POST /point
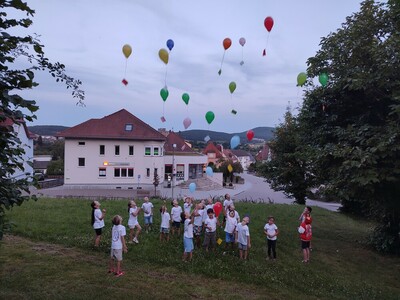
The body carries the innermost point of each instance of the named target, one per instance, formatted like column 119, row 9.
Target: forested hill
column 46, row 130
column 262, row 133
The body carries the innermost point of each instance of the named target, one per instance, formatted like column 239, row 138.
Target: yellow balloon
column 127, row 50
column 230, row 168
column 164, row 56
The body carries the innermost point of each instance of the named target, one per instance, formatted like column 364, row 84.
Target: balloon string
column 166, row 72
column 222, row 61
column 163, row 109
column 242, row 53
column 126, row 65
column 266, row 45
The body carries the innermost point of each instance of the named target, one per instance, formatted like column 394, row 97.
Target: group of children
column 200, row 221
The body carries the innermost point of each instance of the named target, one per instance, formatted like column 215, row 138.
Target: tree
column 226, row 173
column 14, row 191
column 288, row 169
column 353, row 123
column 55, row 167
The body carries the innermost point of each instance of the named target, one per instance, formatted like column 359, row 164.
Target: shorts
column 188, row 244
column 148, row 220
column 305, row 244
column 176, row 224
column 210, row 239
column 136, row 224
column 164, row 230
column 197, row 230
column 116, row 254
column 98, row 231
column 229, row 237
column 242, row 247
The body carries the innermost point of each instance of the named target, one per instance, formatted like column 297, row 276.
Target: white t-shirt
column 188, row 233
column 165, row 218
column 212, row 223
column 176, row 213
column 187, row 207
column 271, row 230
column 230, row 224
column 227, row 203
column 243, row 233
column 205, row 215
column 132, row 219
column 198, row 220
column 147, row 209
column 117, row 232
column 97, row 222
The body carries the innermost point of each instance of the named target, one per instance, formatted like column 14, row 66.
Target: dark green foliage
column 14, row 191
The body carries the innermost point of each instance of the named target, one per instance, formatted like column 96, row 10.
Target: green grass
column 341, row 267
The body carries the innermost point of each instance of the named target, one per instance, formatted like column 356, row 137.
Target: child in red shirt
column 305, row 231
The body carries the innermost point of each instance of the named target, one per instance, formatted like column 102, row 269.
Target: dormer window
column 128, row 127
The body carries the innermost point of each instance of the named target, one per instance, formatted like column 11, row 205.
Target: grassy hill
column 52, row 255
column 50, row 130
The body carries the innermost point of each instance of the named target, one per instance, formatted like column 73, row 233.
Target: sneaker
column 136, row 240
column 119, row 274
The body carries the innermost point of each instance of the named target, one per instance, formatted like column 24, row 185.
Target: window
column 155, row 171
column 147, row 172
column 81, row 161
column 116, row 149
column 81, row 143
column 128, row 127
column 156, row 151
column 131, row 150
column 102, row 172
column 147, row 151
column 102, row 149
column 123, row 172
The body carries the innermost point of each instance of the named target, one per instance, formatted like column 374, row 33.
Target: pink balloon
column 242, row 41
column 187, row 122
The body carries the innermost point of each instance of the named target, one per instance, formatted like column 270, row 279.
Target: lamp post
column 173, row 169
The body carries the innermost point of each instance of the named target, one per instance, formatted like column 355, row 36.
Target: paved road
column 254, row 189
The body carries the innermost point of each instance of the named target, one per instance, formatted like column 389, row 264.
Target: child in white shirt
column 187, row 205
column 97, row 221
column 198, row 223
column 117, row 246
column 210, row 225
column 188, row 237
column 230, row 228
column 176, row 212
column 147, row 208
column 242, row 238
column 165, row 223
column 271, row 231
column 133, row 222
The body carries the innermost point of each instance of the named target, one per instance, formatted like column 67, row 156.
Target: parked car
column 39, row 176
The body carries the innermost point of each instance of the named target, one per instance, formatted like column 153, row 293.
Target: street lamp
column 173, row 169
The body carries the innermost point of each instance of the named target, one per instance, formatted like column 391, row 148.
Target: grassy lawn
column 50, row 255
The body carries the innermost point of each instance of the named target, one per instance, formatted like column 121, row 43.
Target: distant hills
column 260, row 133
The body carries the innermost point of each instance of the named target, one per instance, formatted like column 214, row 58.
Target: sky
column 88, row 36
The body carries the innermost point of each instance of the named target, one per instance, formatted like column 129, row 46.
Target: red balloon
column 227, row 43
column 250, row 135
column 217, row 208
column 269, row 23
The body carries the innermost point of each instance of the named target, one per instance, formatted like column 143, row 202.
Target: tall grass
column 341, row 266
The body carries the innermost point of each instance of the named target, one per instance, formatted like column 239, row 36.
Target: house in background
column 264, row 155
column 26, row 139
column 244, row 157
column 182, row 160
column 116, row 151
column 214, row 155
column 40, row 163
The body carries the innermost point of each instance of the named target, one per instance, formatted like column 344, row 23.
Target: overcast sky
column 87, row 36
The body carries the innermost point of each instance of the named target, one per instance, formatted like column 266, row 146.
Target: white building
column 26, row 140
column 120, row 151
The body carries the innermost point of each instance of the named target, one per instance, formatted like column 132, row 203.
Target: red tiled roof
column 211, row 148
column 181, row 146
column 113, row 127
column 263, row 153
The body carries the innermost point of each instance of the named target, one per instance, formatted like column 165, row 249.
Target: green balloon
column 232, row 87
column 323, row 79
column 164, row 94
column 210, row 117
column 185, row 98
column 301, row 79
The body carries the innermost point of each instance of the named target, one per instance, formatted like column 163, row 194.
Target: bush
column 55, row 167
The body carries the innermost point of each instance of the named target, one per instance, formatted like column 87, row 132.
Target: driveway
column 254, row 189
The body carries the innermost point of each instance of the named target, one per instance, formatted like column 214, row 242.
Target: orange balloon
column 227, row 43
